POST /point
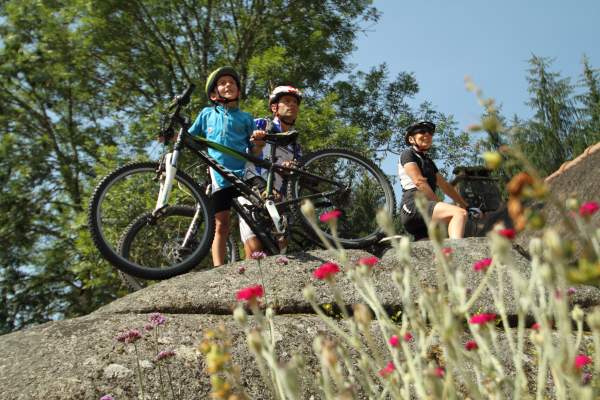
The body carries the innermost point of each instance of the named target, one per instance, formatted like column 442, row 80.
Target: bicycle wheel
column 126, row 196
column 348, row 182
column 143, row 241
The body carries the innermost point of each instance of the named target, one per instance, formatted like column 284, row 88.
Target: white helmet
column 282, row 91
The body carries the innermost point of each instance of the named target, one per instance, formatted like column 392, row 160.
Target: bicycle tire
column 132, row 283
column 367, row 189
column 130, row 192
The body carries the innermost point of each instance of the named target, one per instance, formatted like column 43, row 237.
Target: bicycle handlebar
column 183, row 99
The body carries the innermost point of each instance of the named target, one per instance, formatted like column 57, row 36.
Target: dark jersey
column 425, row 164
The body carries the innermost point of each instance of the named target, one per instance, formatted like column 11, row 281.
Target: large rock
column 80, row 358
column 213, row 292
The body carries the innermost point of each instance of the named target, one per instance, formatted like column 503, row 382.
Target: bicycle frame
column 197, row 145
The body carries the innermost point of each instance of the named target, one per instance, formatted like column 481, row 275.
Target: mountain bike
column 152, row 220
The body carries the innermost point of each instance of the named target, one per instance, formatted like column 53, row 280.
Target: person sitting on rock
column 418, row 173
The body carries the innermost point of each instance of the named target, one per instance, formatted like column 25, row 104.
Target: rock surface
column 80, row 358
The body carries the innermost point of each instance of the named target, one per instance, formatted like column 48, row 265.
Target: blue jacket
column 227, row 126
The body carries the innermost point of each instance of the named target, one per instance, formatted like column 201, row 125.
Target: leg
column 251, row 245
column 454, row 216
column 221, row 234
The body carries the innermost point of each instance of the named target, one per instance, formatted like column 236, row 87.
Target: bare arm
column 414, row 173
column 450, row 191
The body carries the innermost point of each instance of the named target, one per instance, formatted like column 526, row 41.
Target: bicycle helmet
column 421, row 126
column 282, row 91
column 211, row 81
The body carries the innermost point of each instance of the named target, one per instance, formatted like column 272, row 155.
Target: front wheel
column 346, row 181
column 142, row 243
column 127, row 197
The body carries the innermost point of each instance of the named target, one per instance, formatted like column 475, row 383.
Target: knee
column 460, row 213
column 221, row 228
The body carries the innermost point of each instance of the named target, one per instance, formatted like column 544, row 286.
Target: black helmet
column 421, row 126
column 214, row 76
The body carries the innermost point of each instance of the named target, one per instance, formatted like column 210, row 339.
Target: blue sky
column 441, row 41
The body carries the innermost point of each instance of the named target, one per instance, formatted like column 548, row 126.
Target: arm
column 414, row 173
column 450, row 191
column 257, row 142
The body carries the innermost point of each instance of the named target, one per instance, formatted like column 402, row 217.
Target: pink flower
column 507, row 233
column 408, row 337
column 107, row 397
column 447, row 251
column 241, row 270
column 471, row 345
column 129, row 336
column 330, row 215
column 536, row 326
column 588, row 209
column 571, row 291
column 250, row 293
column 148, row 327
column 156, row 319
column 389, row 368
column 368, row 261
column 482, row 264
column 258, row 255
column 326, row 271
column 394, row 341
column 481, row 319
column 165, row 354
column 581, row 361
column 439, row 372
column 282, row 260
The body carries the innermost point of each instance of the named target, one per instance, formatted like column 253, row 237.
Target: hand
column 258, row 138
column 290, row 164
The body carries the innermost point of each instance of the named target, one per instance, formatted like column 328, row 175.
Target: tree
column 549, row 136
column 590, row 108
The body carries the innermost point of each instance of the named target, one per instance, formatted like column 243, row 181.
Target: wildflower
column 368, row 261
column 107, row 397
column 148, row 327
column 439, row 372
column 250, row 293
column 581, row 361
column 282, row 260
column 481, row 319
column 408, row 337
column 330, row 215
column 507, row 233
column 492, row 159
column 394, row 341
column 325, row 271
column 241, row 270
column 586, row 378
column 571, row 291
column 258, row 255
column 588, row 209
column 447, row 251
column 156, row 319
column 165, row 354
column 129, row 336
column 471, row 345
column 389, row 368
column 482, row 264
column 536, row 326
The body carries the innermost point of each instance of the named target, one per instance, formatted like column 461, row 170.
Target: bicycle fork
column 167, row 184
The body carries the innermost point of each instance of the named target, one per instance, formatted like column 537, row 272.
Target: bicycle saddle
column 282, row 139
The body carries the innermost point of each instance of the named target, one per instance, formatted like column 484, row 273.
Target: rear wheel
column 124, row 200
column 345, row 181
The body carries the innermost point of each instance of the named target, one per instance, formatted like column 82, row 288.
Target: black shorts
column 223, row 198
column 411, row 217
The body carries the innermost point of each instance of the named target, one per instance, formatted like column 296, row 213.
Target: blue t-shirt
column 230, row 127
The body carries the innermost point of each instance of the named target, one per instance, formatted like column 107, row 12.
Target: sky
column 442, row 41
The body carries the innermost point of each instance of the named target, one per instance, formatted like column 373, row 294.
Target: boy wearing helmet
column 418, row 173
column 284, row 104
column 226, row 124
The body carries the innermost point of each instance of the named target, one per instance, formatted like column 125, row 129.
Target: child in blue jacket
column 226, row 124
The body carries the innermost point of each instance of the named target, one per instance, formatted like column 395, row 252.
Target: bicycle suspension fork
column 170, row 170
